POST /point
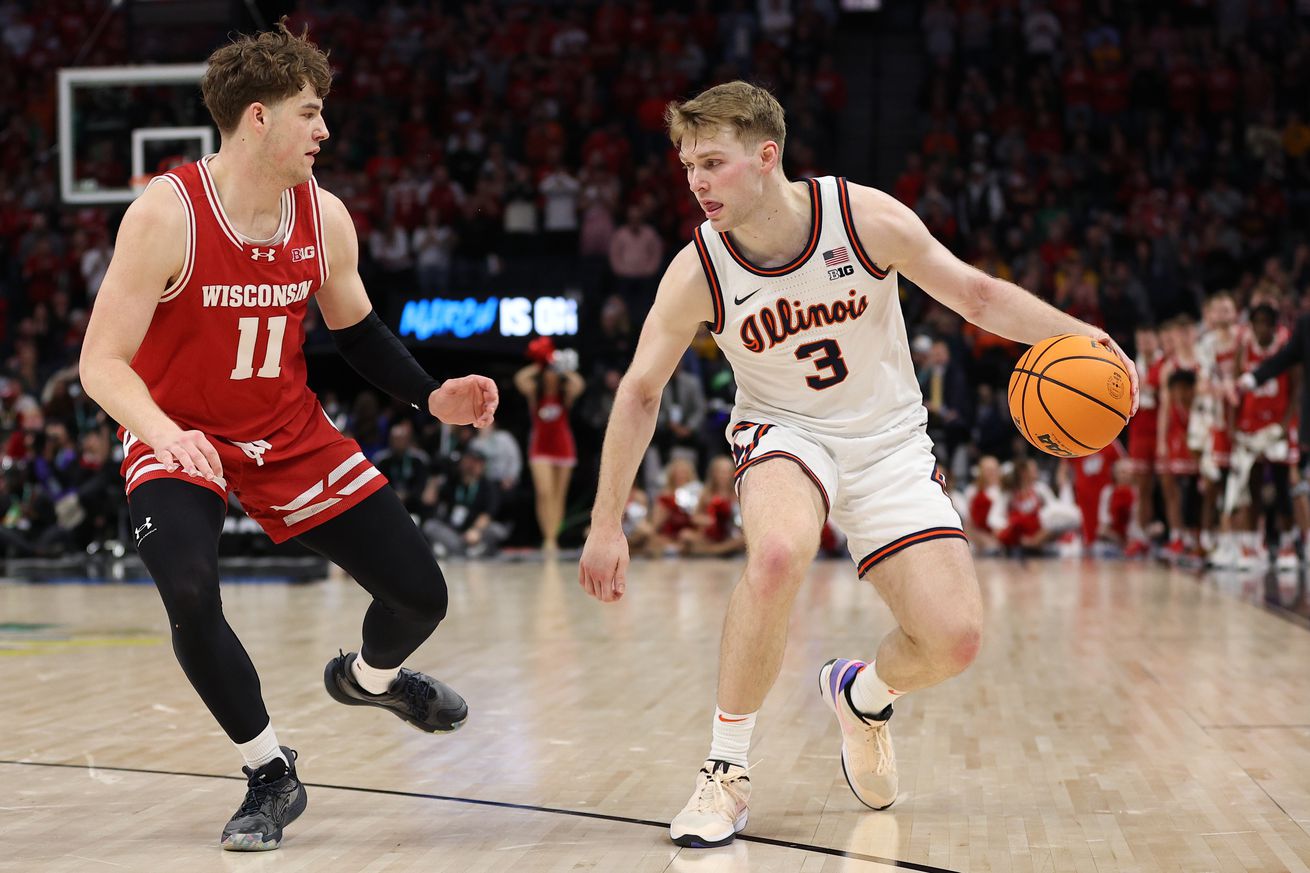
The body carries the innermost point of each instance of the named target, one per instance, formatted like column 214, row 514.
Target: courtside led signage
column 508, row 317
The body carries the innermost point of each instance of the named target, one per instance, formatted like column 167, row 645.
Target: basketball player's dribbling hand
column 192, row 451
column 603, row 570
column 466, row 400
column 1104, row 339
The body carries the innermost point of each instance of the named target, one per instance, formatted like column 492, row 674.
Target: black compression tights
column 376, row 542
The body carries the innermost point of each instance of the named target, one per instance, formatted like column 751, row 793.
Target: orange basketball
column 1070, row 396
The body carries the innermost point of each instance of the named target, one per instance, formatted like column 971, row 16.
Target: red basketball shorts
column 292, row 480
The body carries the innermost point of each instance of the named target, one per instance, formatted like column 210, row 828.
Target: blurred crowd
column 1123, row 160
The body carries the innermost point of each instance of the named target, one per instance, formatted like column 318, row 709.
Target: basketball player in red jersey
column 194, row 347
column 1142, row 435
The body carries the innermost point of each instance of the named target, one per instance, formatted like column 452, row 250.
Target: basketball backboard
column 120, row 126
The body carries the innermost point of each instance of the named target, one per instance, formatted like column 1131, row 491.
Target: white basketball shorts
column 884, row 491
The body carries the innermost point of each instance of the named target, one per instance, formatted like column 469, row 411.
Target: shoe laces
column 417, row 692
column 716, row 793
column 258, row 792
column 877, row 736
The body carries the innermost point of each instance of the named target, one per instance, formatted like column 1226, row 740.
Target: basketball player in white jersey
column 798, row 281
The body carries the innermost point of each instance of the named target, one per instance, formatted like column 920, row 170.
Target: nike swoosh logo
column 733, row 720
column 740, row 300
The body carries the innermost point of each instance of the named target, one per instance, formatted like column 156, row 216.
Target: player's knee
column 426, row 603
column 965, row 645
column 950, row 643
column 957, row 643
column 774, row 566
column 191, row 596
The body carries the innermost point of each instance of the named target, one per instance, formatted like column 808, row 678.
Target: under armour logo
column 144, row 530
column 265, row 255
column 254, row 451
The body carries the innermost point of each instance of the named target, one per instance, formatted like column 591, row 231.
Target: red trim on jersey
column 848, row 221
column 712, row 277
column 816, row 226
column 779, row 453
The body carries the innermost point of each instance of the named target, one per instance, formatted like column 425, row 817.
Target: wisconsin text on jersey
column 255, row 295
column 785, row 319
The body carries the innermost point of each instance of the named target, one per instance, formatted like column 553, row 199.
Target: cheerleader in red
column 1116, row 505
column 551, row 384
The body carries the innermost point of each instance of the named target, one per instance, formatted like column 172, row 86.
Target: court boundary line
column 504, row 804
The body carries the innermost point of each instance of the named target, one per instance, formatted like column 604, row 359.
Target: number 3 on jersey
column 831, row 360
column 272, row 366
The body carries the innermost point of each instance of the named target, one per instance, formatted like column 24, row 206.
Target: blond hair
column 748, row 109
column 264, row 68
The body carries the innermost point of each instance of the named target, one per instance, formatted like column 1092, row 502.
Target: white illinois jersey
column 820, row 342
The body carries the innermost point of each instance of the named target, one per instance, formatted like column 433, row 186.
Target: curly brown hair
column 263, row 68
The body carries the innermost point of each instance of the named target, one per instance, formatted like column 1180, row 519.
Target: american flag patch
column 836, row 256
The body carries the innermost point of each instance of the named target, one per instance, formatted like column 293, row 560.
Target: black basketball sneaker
column 425, row 703
column 274, row 799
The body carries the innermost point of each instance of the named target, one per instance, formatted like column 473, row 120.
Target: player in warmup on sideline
column 195, row 348
column 798, row 282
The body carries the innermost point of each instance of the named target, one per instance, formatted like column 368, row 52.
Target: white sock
column 870, row 695
column 374, row 680
column 261, row 749
column 732, row 736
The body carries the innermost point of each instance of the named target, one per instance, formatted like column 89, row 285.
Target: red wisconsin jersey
column 224, row 353
column 1268, row 403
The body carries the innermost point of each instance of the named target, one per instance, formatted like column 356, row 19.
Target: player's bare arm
column 148, row 256
column 901, row 240
column 373, row 350
column 681, row 304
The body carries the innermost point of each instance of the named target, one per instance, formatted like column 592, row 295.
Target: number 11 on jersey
column 272, row 366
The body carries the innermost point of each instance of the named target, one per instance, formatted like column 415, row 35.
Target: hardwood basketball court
column 1121, row 717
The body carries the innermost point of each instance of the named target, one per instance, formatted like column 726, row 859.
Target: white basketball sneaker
column 867, row 757
column 717, row 809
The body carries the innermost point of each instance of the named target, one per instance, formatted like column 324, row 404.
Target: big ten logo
column 840, row 272
column 304, row 253
column 547, row 316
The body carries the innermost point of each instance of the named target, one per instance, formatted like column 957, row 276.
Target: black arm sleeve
column 1292, row 352
column 381, row 358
